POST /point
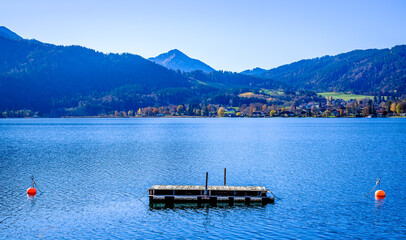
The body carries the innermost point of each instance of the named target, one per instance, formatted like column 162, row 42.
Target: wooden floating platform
column 171, row 194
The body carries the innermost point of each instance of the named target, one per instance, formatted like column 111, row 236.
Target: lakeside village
column 261, row 106
column 331, row 108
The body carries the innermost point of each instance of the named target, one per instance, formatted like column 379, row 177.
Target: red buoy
column 379, row 194
column 31, row 191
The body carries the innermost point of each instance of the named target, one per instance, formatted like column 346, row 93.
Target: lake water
column 92, row 172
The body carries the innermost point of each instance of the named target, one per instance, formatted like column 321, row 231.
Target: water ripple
column 92, row 171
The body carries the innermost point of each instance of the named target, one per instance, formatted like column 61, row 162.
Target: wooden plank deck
column 170, row 194
column 199, row 187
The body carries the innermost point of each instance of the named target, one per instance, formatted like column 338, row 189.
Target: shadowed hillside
column 34, row 74
column 359, row 71
column 7, row 33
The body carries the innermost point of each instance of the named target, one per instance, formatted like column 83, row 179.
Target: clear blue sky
column 229, row 35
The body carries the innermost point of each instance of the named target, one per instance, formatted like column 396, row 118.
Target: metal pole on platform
column 225, row 176
column 207, row 179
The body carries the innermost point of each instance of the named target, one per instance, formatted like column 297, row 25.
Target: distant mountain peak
column 254, row 71
column 7, row 33
column 175, row 51
column 177, row 60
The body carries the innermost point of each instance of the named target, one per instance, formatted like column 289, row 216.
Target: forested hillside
column 73, row 80
column 37, row 75
column 362, row 71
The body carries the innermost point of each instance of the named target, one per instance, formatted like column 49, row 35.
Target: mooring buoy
column 380, row 194
column 31, row 191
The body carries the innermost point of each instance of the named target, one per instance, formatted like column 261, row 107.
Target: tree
column 393, row 107
column 180, row 108
column 264, row 107
column 209, row 108
column 313, row 109
column 221, row 112
column 365, row 111
column 204, row 111
column 196, row 111
column 399, row 108
column 326, row 113
column 148, row 111
column 388, row 104
column 189, row 111
column 252, row 109
column 403, row 106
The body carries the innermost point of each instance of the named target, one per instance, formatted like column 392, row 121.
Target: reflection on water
column 379, row 203
column 206, row 205
column 93, row 171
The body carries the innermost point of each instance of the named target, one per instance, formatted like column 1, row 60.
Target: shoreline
column 107, row 117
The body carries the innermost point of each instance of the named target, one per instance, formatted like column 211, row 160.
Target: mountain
column 77, row 81
column 39, row 76
column 7, row 33
column 256, row 71
column 358, row 71
column 177, row 60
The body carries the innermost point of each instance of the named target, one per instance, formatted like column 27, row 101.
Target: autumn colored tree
column 180, row 109
column 264, row 107
column 148, row 111
column 209, row 108
column 400, row 107
column 221, row 112
column 313, row 109
column 204, row 111
column 172, row 110
column 155, row 111
column 326, row 113
column 197, row 112
column 365, row 111
column 393, row 107
column 252, row 109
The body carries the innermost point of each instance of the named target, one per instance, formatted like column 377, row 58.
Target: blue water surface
column 91, row 173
